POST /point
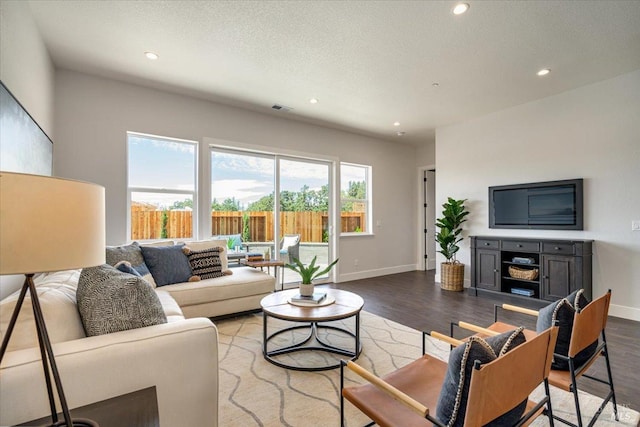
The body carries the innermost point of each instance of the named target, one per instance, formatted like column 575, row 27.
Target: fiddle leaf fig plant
column 448, row 237
column 310, row 272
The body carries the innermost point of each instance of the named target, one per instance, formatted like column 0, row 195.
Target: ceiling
column 369, row 64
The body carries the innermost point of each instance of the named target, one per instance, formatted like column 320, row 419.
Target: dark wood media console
column 563, row 266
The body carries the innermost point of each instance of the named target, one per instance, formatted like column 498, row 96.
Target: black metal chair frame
column 578, row 371
column 544, row 403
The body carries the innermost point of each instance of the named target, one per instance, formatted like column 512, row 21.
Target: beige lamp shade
column 49, row 224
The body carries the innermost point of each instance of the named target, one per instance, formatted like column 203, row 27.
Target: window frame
column 368, row 202
column 154, row 190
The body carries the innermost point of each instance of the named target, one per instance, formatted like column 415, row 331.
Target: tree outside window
column 355, row 201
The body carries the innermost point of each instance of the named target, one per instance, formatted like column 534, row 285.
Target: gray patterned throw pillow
column 111, row 301
column 130, row 253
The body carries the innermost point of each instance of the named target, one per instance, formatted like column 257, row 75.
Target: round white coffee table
column 346, row 305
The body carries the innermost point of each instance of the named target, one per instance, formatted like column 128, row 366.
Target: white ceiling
column 369, row 63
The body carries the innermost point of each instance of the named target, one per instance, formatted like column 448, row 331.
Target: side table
column 136, row 409
column 271, row 263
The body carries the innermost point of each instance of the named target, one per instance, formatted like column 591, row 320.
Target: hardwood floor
column 413, row 299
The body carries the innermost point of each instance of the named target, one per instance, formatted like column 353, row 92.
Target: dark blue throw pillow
column 167, row 264
column 452, row 402
column 564, row 311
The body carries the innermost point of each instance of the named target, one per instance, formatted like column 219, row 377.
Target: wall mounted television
column 552, row 205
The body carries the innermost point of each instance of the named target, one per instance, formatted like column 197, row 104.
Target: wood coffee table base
column 320, row 345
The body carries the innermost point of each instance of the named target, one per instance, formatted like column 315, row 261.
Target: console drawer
column 487, row 244
column 558, row 248
column 514, row 245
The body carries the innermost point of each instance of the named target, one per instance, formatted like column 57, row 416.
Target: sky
column 156, row 163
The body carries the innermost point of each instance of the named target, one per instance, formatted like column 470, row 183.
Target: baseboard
column 631, row 313
column 365, row 274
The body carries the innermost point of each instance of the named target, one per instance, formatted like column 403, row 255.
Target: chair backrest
column 502, row 384
column 289, row 240
column 588, row 323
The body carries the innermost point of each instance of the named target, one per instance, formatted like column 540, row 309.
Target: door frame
column 428, row 247
column 204, row 175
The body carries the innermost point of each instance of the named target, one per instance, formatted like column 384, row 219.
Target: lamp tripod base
column 48, row 361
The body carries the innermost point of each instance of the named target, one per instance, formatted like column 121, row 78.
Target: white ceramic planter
column 306, row 290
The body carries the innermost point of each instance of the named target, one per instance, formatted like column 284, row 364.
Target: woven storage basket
column 452, row 277
column 523, row 273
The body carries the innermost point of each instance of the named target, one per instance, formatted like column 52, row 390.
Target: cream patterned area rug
column 254, row 392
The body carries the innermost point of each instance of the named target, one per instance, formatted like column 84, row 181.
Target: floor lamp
column 48, row 224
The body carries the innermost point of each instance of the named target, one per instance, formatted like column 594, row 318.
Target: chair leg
column 549, row 410
column 574, row 389
column 613, row 392
column 341, row 397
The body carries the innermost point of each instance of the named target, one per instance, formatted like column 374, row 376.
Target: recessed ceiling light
column 396, row 123
column 544, row 72
column 460, row 8
column 400, row 133
column 313, row 100
column 151, row 55
column 435, row 84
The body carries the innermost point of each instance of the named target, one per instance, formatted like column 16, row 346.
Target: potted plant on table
column 448, row 237
column 308, row 273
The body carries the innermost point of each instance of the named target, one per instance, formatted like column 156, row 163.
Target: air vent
column 282, row 108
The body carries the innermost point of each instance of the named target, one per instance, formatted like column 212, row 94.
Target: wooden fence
column 178, row 224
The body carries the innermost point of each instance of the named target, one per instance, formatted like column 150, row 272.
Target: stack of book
column 316, row 298
column 254, row 256
column 520, row 291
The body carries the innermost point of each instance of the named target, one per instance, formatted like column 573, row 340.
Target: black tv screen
column 553, row 205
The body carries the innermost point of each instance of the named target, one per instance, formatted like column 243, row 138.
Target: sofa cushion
column 245, row 281
column 111, row 301
column 206, row 263
column 564, row 311
column 168, row 264
column 452, row 402
column 169, row 305
column 57, row 296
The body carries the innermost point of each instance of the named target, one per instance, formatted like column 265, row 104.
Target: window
column 355, row 199
column 162, row 187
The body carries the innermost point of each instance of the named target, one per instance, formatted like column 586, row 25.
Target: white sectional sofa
column 179, row 358
column 239, row 292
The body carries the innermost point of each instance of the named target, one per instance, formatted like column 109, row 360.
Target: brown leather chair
column 408, row 396
column 588, row 325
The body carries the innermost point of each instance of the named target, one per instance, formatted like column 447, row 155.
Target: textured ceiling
column 369, row 63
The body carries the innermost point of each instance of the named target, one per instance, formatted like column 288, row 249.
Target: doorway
column 280, row 206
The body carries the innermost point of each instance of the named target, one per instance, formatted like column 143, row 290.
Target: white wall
column 26, row 70
column 593, row 133
column 25, row 66
column 426, row 154
column 93, row 114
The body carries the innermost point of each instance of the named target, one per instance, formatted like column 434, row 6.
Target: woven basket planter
column 452, row 276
